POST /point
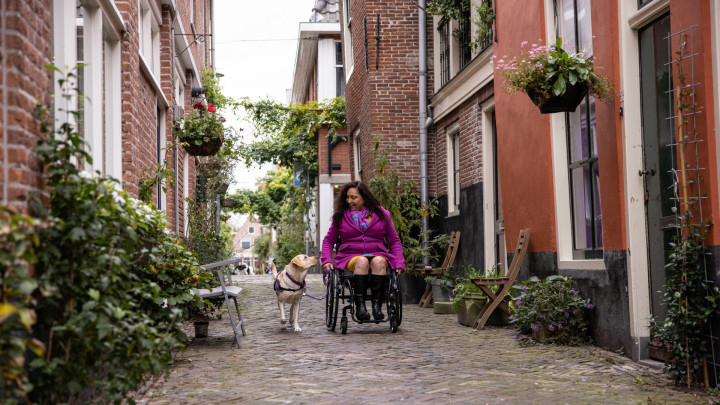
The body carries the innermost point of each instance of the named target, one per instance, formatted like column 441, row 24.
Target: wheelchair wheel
column 343, row 325
column 394, row 302
column 393, row 325
column 331, row 302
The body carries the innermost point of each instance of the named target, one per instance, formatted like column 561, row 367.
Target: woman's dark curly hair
column 341, row 204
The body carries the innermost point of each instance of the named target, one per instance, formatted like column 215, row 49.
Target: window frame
column 347, row 39
column 357, row 155
column 453, row 168
column 339, row 70
column 567, row 257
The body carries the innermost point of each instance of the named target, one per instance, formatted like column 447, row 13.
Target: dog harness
column 278, row 288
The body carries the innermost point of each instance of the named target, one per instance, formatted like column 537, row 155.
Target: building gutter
column 424, row 123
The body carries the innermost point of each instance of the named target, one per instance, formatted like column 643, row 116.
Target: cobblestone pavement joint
column 431, row 359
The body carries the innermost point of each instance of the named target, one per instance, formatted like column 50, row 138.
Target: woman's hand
column 328, row 266
column 399, row 271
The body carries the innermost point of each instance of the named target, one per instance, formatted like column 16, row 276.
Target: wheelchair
column 340, row 293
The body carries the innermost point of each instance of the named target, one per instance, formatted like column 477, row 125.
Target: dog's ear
column 299, row 261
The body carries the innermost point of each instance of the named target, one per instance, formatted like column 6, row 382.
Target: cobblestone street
column 431, row 359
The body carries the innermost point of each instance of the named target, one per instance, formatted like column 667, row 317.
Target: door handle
column 646, row 172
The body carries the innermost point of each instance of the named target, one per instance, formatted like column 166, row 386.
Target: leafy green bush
column 18, row 245
column 691, row 302
column 399, row 197
column 209, row 245
column 463, row 285
column 113, row 284
column 554, row 304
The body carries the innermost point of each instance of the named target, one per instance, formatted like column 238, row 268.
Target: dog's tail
column 274, row 272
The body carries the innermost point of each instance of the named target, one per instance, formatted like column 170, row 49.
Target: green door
column 659, row 158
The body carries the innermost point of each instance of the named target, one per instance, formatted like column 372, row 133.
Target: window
column 357, row 156
column 347, row 21
column 484, row 25
column 643, row 3
column 453, row 169
column 251, row 230
column 444, row 32
column 160, row 148
column 148, row 27
column 339, row 73
column 573, row 24
column 464, row 38
column 245, row 244
column 95, row 33
column 80, row 52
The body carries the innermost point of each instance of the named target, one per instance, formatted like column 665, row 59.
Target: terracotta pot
column 568, row 102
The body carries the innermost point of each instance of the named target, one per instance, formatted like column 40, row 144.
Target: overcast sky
column 256, row 44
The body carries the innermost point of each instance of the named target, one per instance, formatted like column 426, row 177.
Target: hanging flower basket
column 202, row 132
column 209, row 148
column 555, row 80
column 209, row 169
column 566, row 102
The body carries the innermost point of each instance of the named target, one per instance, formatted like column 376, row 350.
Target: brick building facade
column 319, row 77
column 589, row 184
column 382, row 82
column 141, row 60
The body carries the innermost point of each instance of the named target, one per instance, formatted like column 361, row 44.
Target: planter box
column 442, row 308
column 201, row 329
column 470, row 307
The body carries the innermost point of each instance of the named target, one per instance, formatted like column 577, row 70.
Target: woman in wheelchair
column 362, row 227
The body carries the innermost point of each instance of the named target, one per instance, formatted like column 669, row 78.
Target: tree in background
column 287, row 137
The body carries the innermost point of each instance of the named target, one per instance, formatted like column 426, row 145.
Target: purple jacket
column 355, row 242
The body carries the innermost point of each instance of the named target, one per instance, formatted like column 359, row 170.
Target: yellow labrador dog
column 289, row 285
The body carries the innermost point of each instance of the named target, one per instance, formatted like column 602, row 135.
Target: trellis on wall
column 688, row 194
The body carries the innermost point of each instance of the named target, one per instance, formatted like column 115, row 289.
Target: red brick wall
column 469, row 118
column 383, row 102
column 26, row 45
column 25, row 48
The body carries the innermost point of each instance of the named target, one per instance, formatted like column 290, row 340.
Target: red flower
column 211, row 108
column 199, row 105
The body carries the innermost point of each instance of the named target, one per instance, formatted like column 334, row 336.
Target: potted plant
column 555, row 80
column 202, row 131
column 551, row 310
column 468, row 299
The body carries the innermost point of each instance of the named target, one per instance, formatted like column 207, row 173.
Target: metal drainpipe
column 422, row 76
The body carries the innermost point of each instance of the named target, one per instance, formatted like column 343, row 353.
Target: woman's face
column 354, row 200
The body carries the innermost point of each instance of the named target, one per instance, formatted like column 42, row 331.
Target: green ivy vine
column 110, row 289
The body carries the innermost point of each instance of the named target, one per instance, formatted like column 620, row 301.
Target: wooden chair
column 429, row 271
column 504, row 283
column 226, row 290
